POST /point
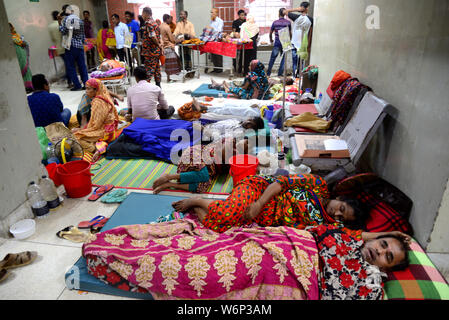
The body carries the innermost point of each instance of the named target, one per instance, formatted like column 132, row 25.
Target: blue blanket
column 159, row 137
column 203, row 90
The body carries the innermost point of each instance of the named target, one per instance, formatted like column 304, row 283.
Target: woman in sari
column 102, row 37
column 180, row 259
column 102, row 126
column 297, row 201
column 255, row 84
column 23, row 55
column 199, row 165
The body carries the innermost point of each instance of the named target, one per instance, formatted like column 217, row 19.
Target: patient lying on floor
column 180, row 259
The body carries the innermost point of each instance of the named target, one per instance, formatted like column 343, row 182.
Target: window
column 158, row 7
column 264, row 11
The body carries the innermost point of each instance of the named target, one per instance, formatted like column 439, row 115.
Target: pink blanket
column 181, row 259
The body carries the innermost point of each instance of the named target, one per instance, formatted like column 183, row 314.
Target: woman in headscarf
column 102, row 36
column 102, row 126
column 23, row 55
column 249, row 30
column 255, row 85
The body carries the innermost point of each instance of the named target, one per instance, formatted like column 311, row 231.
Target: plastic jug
column 38, row 205
column 49, row 192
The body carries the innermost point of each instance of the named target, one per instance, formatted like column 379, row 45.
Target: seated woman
column 199, row 165
column 296, row 201
column 102, row 126
column 255, row 84
column 182, row 260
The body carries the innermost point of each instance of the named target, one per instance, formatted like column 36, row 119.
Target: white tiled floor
column 44, row 278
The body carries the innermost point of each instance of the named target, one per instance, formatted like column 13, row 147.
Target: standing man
column 133, row 28
column 277, row 25
column 185, row 30
column 236, row 24
column 217, row 25
column 89, row 34
column 120, row 31
column 72, row 29
column 151, row 46
column 302, row 10
column 168, row 45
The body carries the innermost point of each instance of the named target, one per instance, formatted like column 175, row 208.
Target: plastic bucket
column 52, row 174
column 243, row 165
column 76, row 178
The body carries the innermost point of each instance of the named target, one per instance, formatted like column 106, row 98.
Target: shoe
column 76, row 89
column 15, row 260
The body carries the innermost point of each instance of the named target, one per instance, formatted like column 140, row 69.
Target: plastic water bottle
column 49, row 192
column 281, row 160
column 317, row 101
column 50, row 150
column 51, row 155
column 38, row 205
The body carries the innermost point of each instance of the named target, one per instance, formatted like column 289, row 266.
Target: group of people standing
column 300, row 33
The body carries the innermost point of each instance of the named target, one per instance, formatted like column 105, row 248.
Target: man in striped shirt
column 73, row 26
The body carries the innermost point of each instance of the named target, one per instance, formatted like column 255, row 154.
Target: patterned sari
column 22, row 51
column 257, row 81
column 182, row 260
column 298, row 205
column 103, row 50
column 102, row 127
column 198, row 157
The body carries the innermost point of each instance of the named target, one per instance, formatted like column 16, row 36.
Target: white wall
column 20, row 153
column 406, row 62
column 31, row 20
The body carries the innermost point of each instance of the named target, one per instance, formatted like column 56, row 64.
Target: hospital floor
column 44, row 278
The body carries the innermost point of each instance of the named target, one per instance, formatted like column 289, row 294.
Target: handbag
column 162, row 59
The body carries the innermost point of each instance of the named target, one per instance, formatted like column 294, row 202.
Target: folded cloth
column 309, row 121
column 339, row 77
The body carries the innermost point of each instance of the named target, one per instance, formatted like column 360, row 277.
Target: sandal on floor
column 15, row 260
column 100, row 191
column 116, row 196
column 73, row 234
column 88, row 224
column 4, row 274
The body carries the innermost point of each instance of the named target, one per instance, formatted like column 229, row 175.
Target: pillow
column 420, row 281
column 382, row 216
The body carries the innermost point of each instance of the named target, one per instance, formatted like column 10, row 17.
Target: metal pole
column 283, row 87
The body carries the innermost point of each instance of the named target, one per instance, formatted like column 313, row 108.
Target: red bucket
column 76, row 178
column 52, row 174
column 243, row 165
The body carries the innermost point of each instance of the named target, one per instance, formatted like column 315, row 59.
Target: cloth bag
column 310, row 121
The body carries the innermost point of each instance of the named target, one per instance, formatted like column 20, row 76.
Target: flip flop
column 95, row 228
column 100, row 191
column 73, row 234
column 15, row 260
column 116, row 196
column 4, row 274
column 100, row 224
column 88, row 224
